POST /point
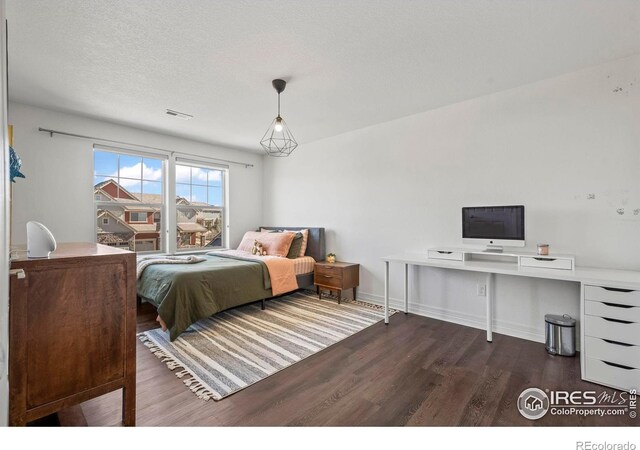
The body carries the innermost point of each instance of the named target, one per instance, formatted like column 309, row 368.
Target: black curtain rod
column 81, row 136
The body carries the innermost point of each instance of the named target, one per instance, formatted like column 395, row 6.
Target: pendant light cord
column 278, row 104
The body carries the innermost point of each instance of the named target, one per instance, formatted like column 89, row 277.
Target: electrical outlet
column 482, row 290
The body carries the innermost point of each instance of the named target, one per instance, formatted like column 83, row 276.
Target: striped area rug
column 225, row 353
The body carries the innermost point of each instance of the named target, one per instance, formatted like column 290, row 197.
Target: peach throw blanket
column 281, row 270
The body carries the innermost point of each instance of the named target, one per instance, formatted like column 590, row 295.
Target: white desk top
column 627, row 279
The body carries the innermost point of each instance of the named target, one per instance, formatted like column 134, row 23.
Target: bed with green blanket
column 186, row 293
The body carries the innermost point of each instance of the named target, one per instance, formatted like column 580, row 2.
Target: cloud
column 148, row 174
column 188, row 174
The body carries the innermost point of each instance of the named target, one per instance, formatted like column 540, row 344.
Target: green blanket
column 186, row 293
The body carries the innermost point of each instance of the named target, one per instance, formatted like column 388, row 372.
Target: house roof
column 134, row 207
column 101, row 185
column 191, row 227
column 210, row 215
column 155, row 199
column 143, row 227
column 112, row 238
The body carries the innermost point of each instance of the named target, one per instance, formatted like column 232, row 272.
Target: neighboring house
column 191, row 234
column 128, row 225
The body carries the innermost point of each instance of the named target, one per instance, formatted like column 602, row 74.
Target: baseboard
column 461, row 318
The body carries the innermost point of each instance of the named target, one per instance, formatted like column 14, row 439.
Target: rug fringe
column 347, row 300
column 199, row 389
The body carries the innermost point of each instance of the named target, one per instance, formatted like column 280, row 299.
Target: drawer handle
column 616, row 289
column 608, row 341
column 544, row 259
column 619, row 366
column 442, row 252
column 327, row 276
column 615, row 305
column 626, row 322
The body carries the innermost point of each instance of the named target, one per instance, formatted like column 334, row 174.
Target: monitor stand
column 493, row 249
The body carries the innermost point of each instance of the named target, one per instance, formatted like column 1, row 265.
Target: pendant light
column 278, row 140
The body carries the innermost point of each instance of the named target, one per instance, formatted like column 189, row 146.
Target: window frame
column 168, row 209
column 162, row 207
column 223, row 210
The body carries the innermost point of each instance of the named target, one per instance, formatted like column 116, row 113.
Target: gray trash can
column 560, row 334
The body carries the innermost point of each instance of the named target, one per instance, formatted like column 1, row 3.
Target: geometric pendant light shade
column 278, row 140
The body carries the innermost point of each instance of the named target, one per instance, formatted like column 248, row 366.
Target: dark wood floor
column 416, row 371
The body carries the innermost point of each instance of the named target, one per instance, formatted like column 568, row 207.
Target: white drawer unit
column 612, row 295
column 612, row 310
column 451, row 255
column 611, row 329
column 612, row 351
column 546, row 262
column 611, row 374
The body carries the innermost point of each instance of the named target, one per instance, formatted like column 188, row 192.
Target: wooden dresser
column 72, row 330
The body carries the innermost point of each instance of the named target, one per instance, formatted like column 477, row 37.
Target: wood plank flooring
column 416, row 372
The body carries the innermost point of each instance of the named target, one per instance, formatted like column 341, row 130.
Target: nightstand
column 336, row 276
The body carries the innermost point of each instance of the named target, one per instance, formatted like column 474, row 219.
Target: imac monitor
column 493, row 226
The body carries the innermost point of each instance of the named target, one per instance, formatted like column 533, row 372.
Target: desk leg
column 386, row 292
column 406, row 288
column 489, row 293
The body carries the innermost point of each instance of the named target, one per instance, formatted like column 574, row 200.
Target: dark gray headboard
column 315, row 245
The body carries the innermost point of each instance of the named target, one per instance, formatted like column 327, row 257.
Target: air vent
column 179, row 115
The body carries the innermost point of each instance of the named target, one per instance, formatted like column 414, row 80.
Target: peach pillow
column 275, row 244
column 305, row 238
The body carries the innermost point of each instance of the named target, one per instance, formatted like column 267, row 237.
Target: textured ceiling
column 350, row 63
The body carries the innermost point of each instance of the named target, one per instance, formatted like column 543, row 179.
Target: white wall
column 399, row 186
column 58, row 190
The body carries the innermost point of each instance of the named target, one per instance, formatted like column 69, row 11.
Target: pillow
column 296, row 245
column 305, row 239
column 275, row 244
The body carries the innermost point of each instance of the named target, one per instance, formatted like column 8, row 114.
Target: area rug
column 234, row 349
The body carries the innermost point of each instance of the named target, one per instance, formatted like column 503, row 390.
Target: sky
column 145, row 175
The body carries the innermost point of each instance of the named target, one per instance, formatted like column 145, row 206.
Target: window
column 199, row 207
column 128, row 192
column 138, row 217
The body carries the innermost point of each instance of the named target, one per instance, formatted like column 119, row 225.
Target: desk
column 605, row 286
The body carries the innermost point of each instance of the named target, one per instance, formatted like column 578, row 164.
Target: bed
column 186, row 293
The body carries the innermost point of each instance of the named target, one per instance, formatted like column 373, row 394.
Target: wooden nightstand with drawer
column 336, row 276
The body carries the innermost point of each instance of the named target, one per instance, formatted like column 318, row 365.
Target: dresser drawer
column 329, row 271
column 327, row 275
column 546, row 262
column 627, row 355
column 445, row 254
column 612, row 295
column 328, row 280
column 612, row 310
column 611, row 375
column 627, row 333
